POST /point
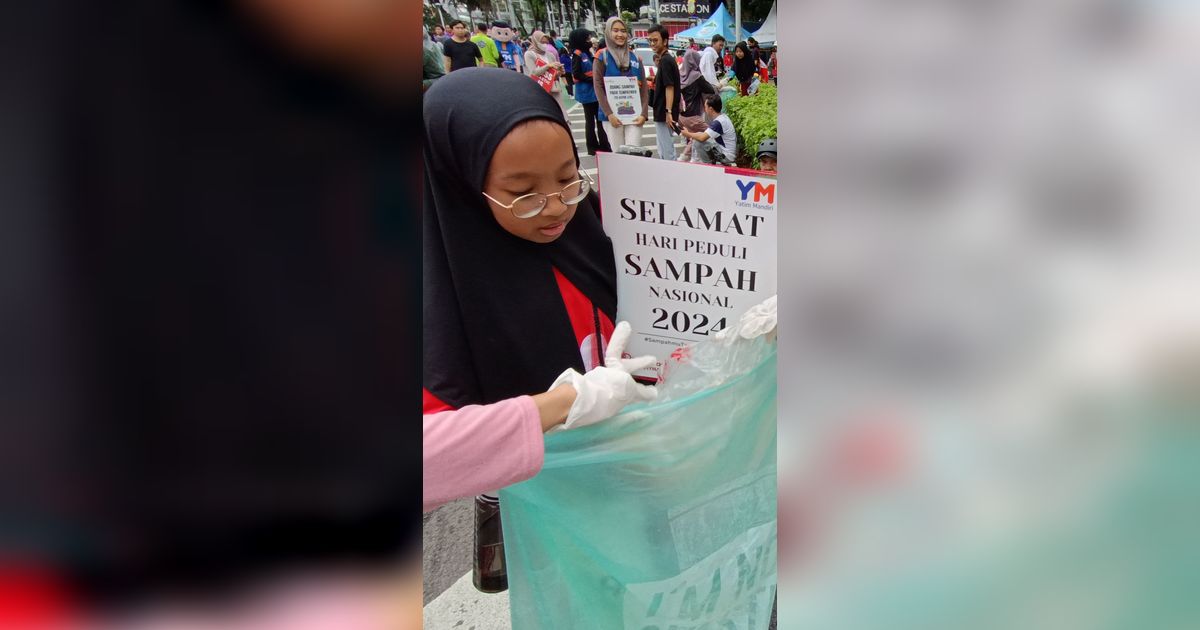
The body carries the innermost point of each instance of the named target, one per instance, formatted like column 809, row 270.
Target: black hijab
column 580, row 40
column 495, row 325
column 745, row 67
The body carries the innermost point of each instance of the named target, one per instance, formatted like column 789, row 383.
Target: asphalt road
column 446, row 545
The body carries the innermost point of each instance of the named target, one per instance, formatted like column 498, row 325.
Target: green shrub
column 755, row 118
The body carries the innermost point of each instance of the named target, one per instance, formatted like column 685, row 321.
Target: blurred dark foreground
column 208, row 314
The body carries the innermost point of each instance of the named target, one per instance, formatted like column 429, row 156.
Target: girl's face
column 739, row 53
column 514, row 173
column 546, row 41
column 620, row 34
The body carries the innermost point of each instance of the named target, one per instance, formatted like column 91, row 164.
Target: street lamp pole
column 737, row 25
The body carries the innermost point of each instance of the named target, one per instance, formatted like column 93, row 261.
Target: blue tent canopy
column 719, row 23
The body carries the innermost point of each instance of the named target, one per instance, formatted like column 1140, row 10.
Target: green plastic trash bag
column 728, row 94
column 661, row 518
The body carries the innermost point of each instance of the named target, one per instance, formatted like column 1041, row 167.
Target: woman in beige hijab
column 615, row 62
column 541, row 48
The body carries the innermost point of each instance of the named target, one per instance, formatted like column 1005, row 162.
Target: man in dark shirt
column 666, row 92
column 459, row 51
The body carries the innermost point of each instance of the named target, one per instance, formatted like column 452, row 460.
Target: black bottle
column 491, row 572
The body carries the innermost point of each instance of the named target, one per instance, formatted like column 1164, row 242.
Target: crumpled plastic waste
column 760, row 320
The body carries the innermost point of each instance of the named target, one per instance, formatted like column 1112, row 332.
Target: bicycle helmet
column 767, row 147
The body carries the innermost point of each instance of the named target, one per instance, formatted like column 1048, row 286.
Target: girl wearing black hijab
column 745, row 66
column 520, row 282
column 580, row 43
column 509, row 302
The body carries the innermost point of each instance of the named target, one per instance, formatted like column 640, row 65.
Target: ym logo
column 760, row 190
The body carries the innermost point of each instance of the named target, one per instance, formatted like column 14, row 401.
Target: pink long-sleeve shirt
column 480, row 448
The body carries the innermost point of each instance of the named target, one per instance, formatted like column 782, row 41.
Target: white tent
column 765, row 35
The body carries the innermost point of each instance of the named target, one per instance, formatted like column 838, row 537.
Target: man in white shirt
column 709, row 58
column 720, row 135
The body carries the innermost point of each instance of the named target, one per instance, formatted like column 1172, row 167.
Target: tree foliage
column 541, row 10
column 606, row 8
column 538, row 9
column 430, row 16
column 609, row 8
column 487, row 7
column 753, row 11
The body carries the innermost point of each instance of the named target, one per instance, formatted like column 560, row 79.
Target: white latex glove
column 760, row 320
column 616, row 349
column 604, row 391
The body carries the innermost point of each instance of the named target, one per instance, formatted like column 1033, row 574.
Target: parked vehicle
column 646, row 57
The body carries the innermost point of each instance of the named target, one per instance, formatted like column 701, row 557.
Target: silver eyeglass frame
column 583, row 177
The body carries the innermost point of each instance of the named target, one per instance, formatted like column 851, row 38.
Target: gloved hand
column 760, row 320
column 605, row 391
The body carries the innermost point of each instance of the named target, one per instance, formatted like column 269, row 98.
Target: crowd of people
column 684, row 97
column 499, row 46
column 697, row 114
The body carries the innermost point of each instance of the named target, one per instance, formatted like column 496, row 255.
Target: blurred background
column 990, row 357
column 209, row 287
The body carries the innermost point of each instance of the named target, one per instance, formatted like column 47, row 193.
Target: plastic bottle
column 490, row 572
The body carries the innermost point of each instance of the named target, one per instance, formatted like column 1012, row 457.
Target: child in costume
column 510, row 51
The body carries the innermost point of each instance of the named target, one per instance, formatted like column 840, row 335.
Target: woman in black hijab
column 694, row 90
column 509, row 302
column 580, row 43
column 745, row 66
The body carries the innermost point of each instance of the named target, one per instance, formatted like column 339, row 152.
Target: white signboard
column 624, row 98
column 677, row 10
column 694, row 246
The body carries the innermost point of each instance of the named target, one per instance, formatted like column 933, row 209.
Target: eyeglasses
column 531, row 205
